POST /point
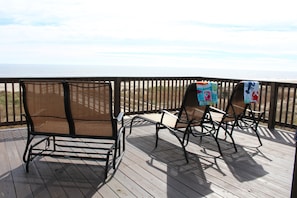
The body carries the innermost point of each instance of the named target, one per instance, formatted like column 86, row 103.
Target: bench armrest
column 120, row 116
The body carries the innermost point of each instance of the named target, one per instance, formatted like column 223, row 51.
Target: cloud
column 217, row 33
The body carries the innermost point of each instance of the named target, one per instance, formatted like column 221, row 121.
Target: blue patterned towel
column 251, row 91
column 207, row 93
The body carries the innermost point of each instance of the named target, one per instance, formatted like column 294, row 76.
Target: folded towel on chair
column 251, row 91
column 207, row 93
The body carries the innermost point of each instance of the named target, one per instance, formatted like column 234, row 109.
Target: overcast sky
column 223, row 33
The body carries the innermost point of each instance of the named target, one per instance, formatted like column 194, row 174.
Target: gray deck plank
column 162, row 172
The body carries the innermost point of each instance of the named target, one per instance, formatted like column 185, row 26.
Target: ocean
column 30, row 70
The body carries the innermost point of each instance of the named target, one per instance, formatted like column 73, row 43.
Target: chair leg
column 215, row 136
column 254, row 127
column 231, row 136
column 227, row 132
column 219, row 147
column 182, row 142
column 158, row 127
column 29, row 140
column 157, row 134
column 131, row 123
column 183, row 146
column 186, row 137
column 256, row 131
column 259, row 138
column 28, row 159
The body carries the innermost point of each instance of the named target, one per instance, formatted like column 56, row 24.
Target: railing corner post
column 273, row 105
column 294, row 179
column 117, row 96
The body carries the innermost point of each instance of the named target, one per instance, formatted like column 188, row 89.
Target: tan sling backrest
column 45, row 105
column 75, row 108
column 236, row 106
column 190, row 108
column 91, row 108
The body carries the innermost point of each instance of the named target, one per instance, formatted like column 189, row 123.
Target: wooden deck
column 162, row 172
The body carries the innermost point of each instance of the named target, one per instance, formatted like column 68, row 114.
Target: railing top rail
column 126, row 78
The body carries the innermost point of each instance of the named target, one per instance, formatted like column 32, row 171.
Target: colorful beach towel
column 207, row 93
column 251, row 91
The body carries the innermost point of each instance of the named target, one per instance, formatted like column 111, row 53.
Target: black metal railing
column 135, row 95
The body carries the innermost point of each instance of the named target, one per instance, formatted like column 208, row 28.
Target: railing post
column 117, row 96
column 273, row 105
column 294, row 180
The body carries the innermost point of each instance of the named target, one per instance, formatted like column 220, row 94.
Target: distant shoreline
column 49, row 71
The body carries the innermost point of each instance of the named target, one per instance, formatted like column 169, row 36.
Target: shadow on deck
column 146, row 171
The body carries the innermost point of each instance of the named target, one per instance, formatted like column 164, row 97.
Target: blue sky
column 215, row 34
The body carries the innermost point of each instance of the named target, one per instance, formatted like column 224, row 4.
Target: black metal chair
column 190, row 115
column 238, row 113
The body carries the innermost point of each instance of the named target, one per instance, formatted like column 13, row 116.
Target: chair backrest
column 191, row 108
column 70, row 108
column 91, row 108
column 236, row 105
column 44, row 106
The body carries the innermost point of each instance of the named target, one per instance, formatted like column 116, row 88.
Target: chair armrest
column 211, row 108
column 172, row 118
column 165, row 112
column 239, row 107
column 255, row 112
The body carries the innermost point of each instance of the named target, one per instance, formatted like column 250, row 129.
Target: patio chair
column 193, row 113
column 239, row 111
column 72, row 119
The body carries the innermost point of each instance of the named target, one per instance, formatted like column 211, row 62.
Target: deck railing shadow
column 52, row 179
column 243, row 166
column 274, row 135
column 241, row 163
column 6, row 137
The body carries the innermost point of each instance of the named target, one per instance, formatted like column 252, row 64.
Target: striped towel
column 207, row 93
column 251, row 91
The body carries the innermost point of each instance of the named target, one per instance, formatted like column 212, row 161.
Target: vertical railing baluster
column 134, row 95
column 281, row 105
column 143, row 93
column 293, row 108
column 6, row 102
column 287, row 104
column 21, row 103
column 13, row 103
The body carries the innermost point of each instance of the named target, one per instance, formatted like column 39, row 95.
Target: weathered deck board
column 146, row 171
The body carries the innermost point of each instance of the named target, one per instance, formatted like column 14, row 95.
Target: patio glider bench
column 72, row 119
